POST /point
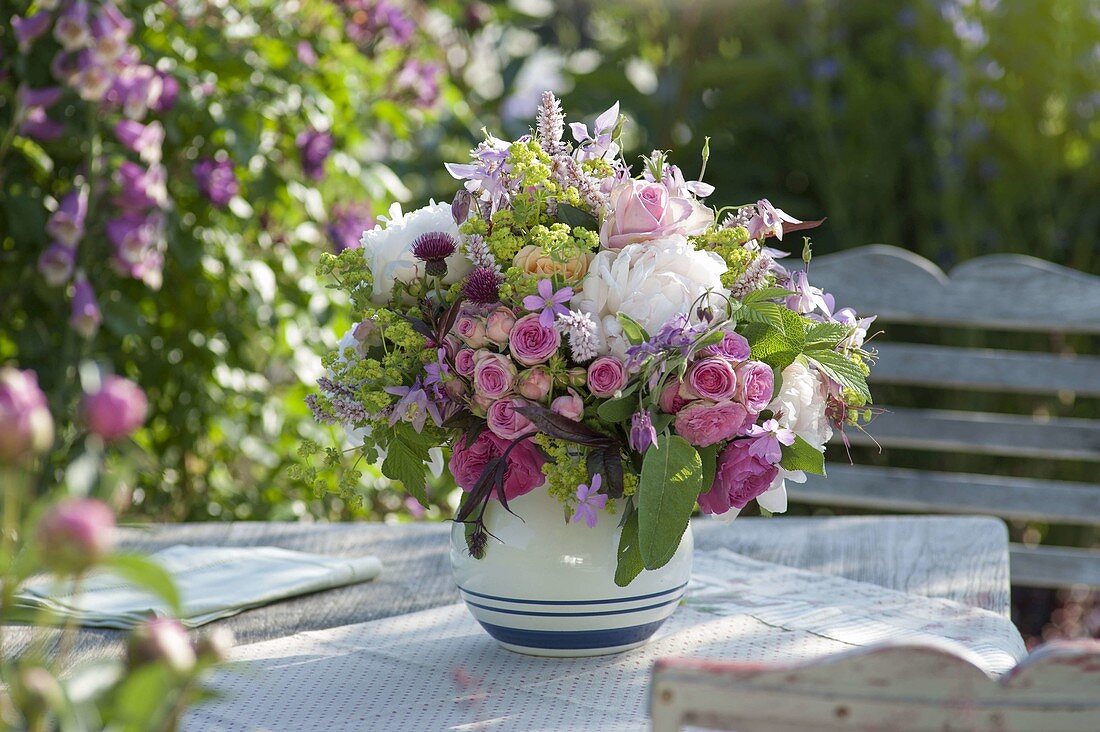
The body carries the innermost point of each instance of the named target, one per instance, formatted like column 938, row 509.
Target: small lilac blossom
column 548, row 303
column 71, row 29
column 769, row 442
column 769, row 221
column 66, row 224
column 642, row 432
column 85, row 318
column 29, row 29
column 589, row 500
column 217, row 181
column 56, row 264
column 314, row 148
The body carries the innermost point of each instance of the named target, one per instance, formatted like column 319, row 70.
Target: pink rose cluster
column 524, row 463
column 722, row 393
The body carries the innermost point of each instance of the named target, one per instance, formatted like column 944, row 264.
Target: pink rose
column 531, row 342
column 494, row 374
column 116, row 410
column 26, row 427
column 713, row 378
column 524, row 463
column 642, row 211
column 498, row 326
column 733, row 346
column 534, row 383
column 570, row 406
column 505, row 421
column 756, row 381
column 161, row 640
column 739, row 478
column 606, row 375
column 464, row 362
column 708, row 423
column 670, row 400
column 75, row 533
column 471, row 330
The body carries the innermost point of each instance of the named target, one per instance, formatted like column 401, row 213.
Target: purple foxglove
column 44, row 97
column 145, row 140
column 217, row 181
column 28, row 30
column 26, row 427
column 66, row 224
column 37, row 125
column 92, row 79
column 85, row 318
column 169, row 91
column 314, row 148
column 136, row 89
column 71, row 29
column 110, row 32
column 141, row 189
column 56, row 263
column 346, row 225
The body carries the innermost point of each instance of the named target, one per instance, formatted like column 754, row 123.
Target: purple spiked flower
column 433, row 248
column 27, row 30
column 483, row 286
column 66, row 224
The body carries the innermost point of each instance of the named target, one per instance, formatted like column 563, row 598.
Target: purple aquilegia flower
column 487, row 176
column 769, row 221
column 346, row 225
column 28, row 30
column 216, row 180
column 589, row 500
column 548, row 303
column 847, row 316
column 598, row 143
column 769, row 442
column 642, row 432
column 56, row 264
column 85, row 318
column 806, row 299
column 314, row 148
column 145, row 140
column 66, row 224
column 415, row 405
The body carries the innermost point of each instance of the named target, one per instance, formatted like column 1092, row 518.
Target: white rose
column 388, row 247
column 651, row 282
column 800, row 404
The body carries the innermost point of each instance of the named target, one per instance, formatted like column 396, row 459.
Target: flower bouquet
column 575, row 335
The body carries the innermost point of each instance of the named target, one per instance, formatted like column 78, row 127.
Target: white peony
column 800, row 404
column 651, row 282
column 388, row 247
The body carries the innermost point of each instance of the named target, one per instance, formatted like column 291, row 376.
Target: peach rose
column 534, row 261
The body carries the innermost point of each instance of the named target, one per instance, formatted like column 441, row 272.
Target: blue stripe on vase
column 572, row 602
column 548, row 614
column 572, row 639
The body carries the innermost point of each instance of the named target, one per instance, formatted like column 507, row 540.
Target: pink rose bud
column 479, row 404
column 494, row 375
column 713, row 378
column 471, row 330
column 215, row 645
column 505, row 421
column 26, row 427
column 531, row 342
column 75, row 534
column 161, row 640
column 534, row 383
column 498, row 326
column 577, row 377
column 670, row 400
column 606, row 375
column 570, row 406
column 455, row 388
column 116, row 410
column 464, row 362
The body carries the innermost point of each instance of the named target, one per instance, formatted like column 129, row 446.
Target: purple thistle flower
column 769, row 442
column 66, row 224
column 314, row 148
column 642, row 432
column 216, row 180
column 346, row 225
column 550, row 303
column 85, row 318
column 28, row 30
column 56, row 263
column 589, row 500
column 433, row 248
column 483, row 286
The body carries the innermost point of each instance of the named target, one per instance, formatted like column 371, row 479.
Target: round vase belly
column 547, row 588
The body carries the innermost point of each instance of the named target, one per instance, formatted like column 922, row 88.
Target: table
column 957, row 558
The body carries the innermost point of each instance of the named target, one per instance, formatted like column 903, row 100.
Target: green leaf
column 632, row 329
column 764, row 312
column 575, row 217
column 147, row 574
column 778, row 346
column 629, row 563
column 405, row 462
column 617, row 410
column 672, row 476
column 709, row 456
column 661, row 421
column 827, row 334
column 842, row 370
column 766, row 293
column 801, row 455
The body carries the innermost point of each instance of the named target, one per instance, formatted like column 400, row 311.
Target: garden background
column 162, row 215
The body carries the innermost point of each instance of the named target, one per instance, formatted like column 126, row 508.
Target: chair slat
column 1054, row 566
column 988, row 370
column 1006, row 292
column 899, row 489
column 983, row 433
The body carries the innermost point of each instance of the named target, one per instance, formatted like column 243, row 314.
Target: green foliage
column 629, row 564
column 405, row 460
column 671, row 480
column 801, row 455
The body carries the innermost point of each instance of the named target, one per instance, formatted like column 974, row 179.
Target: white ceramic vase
column 547, row 588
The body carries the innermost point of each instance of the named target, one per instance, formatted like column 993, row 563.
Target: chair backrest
column 1003, row 293
column 897, row 688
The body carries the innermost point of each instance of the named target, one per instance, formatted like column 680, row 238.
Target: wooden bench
column 1010, row 293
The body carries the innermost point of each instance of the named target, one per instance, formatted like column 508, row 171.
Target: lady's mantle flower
column 550, row 303
column 589, row 500
column 769, row 442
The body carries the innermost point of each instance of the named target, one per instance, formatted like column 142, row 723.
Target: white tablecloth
column 437, row 670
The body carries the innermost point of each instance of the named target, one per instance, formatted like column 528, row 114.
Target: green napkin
column 213, row 583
